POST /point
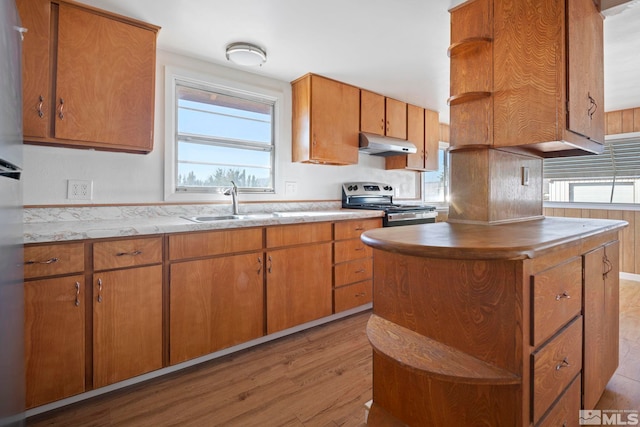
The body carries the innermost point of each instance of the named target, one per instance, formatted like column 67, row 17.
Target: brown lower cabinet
column 127, row 323
column 54, row 339
column 215, row 303
column 298, row 285
column 102, row 311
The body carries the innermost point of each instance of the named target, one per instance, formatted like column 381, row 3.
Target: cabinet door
column 585, row 67
column 415, row 134
column 104, row 80
column 396, row 118
column 371, row 112
column 298, row 285
column 215, row 303
column 127, row 323
column 54, row 339
column 334, row 122
column 601, row 317
column 431, row 139
column 36, row 87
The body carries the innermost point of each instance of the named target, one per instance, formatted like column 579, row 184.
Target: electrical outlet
column 79, row 190
column 290, row 188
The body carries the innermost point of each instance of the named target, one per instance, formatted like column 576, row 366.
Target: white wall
column 136, row 178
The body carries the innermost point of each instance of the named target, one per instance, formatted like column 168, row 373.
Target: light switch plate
column 79, row 189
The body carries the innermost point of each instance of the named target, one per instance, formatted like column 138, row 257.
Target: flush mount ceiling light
column 246, row 54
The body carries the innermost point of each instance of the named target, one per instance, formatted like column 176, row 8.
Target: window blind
column 620, row 159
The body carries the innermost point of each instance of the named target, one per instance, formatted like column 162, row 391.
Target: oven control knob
column 388, row 187
column 355, row 188
column 350, row 188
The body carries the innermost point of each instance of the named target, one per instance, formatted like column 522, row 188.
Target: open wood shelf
column 467, row 97
column 467, row 45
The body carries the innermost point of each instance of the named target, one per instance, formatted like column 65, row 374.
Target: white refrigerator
column 12, row 388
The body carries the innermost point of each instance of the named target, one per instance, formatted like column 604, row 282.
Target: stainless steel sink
column 227, row 217
column 205, row 218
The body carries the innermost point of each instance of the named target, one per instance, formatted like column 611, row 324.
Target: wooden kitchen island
column 495, row 325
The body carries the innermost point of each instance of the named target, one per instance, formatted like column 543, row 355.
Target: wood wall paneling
column 622, row 121
column 629, row 236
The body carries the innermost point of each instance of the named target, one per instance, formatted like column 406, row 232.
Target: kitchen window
column 220, row 134
column 610, row 177
column 435, row 184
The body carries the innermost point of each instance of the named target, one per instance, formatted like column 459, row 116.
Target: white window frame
column 445, row 204
column 174, row 75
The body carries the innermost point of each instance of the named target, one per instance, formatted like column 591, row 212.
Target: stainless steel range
column 379, row 196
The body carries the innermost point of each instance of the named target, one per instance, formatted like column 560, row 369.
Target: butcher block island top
column 502, row 325
column 519, row 240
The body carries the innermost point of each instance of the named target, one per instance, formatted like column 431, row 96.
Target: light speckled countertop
column 63, row 224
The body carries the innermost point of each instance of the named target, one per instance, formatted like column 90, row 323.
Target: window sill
column 601, row 206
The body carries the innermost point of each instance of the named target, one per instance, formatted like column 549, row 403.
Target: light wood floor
column 320, row 378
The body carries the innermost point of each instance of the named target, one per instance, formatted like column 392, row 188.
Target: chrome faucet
column 233, row 192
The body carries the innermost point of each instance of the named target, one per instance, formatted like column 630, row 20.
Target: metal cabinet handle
column 593, row 106
column 49, row 261
column 269, row 264
column 21, row 30
column 39, row 107
column 259, row 265
column 77, row 294
column 606, row 266
column 359, row 228
column 361, row 248
column 99, row 290
column 134, row 253
column 61, row 109
column 381, row 124
column 360, row 294
column 361, row 270
column 563, row 364
column 563, row 295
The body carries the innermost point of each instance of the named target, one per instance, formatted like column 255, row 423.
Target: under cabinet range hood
column 377, row 145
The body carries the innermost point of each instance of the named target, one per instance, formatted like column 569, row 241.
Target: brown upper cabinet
column 545, row 97
column 382, row 116
column 325, row 121
column 88, row 77
column 423, row 130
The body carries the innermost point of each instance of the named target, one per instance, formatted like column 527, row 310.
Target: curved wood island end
column 483, row 324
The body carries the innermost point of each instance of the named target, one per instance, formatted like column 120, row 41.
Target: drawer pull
column 361, row 294
column 99, row 290
column 49, row 261
column 563, row 295
column 77, row 294
column 134, row 253
column 360, row 248
column 362, row 270
column 563, row 364
column 359, row 228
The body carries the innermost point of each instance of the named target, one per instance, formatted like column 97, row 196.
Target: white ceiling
column 396, row 48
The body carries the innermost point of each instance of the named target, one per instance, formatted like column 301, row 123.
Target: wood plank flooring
column 318, row 378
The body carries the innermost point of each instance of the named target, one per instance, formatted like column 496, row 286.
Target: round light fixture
column 246, row 54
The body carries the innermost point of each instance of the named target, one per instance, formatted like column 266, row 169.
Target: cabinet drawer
column 298, row 234
column 352, row 296
column 565, row 411
column 353, row 271
column 557, row 298
column 194, row 245
column 555, row 365
column 51, row 260
column 353, row 229
column 348, row 250
column 127, row 253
